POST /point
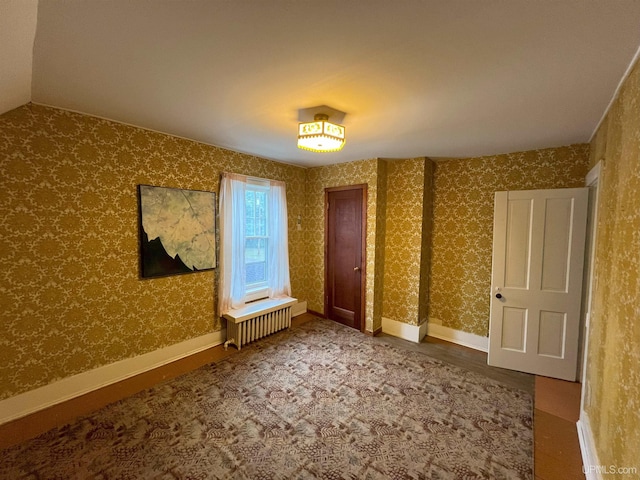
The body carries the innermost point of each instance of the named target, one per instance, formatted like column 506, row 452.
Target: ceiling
column 438, row 78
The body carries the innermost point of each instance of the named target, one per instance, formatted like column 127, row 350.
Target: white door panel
column 516, row 272
column 538, row 255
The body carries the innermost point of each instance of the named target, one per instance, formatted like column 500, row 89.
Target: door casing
column 593, row 183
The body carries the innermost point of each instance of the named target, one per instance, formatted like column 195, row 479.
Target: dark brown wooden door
column 345, row 230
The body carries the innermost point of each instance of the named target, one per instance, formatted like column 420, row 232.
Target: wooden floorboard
column 558, row 397
column 557, row 453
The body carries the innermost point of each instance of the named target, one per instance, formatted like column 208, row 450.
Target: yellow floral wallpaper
column 613, row 357
column 380, row 243
column 463, row 224
column 427, row 242
column 70, row 295
column 404, row 281
column 319, row 178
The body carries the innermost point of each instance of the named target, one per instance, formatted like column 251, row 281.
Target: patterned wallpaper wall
column 397, row 243
column 404, row 239
column 427, row 242
column 70, row 296
column 380, row 242
column 319, row 178
column 613, row 357
column 463, row 224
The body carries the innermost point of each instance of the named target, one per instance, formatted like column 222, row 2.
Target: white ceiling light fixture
column 320, row 135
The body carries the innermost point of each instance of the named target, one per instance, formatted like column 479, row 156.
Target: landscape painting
column 177, row 231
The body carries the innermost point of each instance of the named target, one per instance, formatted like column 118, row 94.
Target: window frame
column 258, row 291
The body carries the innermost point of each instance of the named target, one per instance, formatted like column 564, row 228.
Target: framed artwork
column 177, row 231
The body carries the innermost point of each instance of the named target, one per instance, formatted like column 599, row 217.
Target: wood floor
column 556, row 448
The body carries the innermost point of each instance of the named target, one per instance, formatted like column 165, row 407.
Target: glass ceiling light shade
column 320, row 135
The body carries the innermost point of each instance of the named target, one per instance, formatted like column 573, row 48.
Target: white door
column 536, row 286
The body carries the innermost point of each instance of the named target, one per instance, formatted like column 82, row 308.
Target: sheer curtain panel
column 278, row 278
column 232, row 218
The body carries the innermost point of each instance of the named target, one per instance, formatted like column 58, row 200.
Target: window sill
column 259, row 307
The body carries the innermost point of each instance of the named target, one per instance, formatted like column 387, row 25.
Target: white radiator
column 257, row 320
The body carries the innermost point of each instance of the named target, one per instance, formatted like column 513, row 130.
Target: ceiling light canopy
column 320, row 135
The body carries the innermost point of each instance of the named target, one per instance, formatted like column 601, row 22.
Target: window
column 256, row 243
column 254, row 247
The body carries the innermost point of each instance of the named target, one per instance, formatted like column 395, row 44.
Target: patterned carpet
column 317, row 401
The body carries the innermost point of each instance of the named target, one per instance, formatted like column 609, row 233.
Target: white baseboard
column 591, row 463
column 459, row 337
column 40, row 398
column 413, row 333
column 299, row 308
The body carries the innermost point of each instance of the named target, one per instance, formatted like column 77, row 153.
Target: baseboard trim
column 68, row 388
column 590, row 464
column 299, row 308
column 458, row 337
column 413, row 333
column 317, row 314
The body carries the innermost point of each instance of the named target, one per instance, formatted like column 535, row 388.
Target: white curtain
column 232, row 218
column 232, row 236
column 278, row 275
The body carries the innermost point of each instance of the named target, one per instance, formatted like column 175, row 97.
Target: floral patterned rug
column 316, row 401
